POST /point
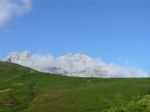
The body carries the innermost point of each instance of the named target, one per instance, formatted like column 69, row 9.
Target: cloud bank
column 77, row 65
column 11, row 8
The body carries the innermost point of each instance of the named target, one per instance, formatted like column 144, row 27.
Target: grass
column 26, row 90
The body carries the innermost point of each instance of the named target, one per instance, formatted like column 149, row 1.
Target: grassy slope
column 26, row 90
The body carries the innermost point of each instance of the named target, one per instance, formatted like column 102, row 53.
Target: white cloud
column 12, row 8
column 74, row 65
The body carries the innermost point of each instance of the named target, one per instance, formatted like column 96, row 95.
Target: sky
column 112, row 30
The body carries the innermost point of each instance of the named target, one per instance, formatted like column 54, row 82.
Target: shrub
column 142, row 105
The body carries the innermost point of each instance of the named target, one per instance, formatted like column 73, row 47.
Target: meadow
column 25, row 90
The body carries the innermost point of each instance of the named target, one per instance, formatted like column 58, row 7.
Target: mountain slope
column 26, row 90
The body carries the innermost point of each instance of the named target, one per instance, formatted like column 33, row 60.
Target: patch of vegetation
column 142, row 105
column 25, row 90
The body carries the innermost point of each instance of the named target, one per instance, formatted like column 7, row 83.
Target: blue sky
column 112, row 30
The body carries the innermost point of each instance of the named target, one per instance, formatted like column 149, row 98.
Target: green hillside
column 26, row 90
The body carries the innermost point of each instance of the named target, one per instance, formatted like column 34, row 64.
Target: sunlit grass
column 26, row 90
